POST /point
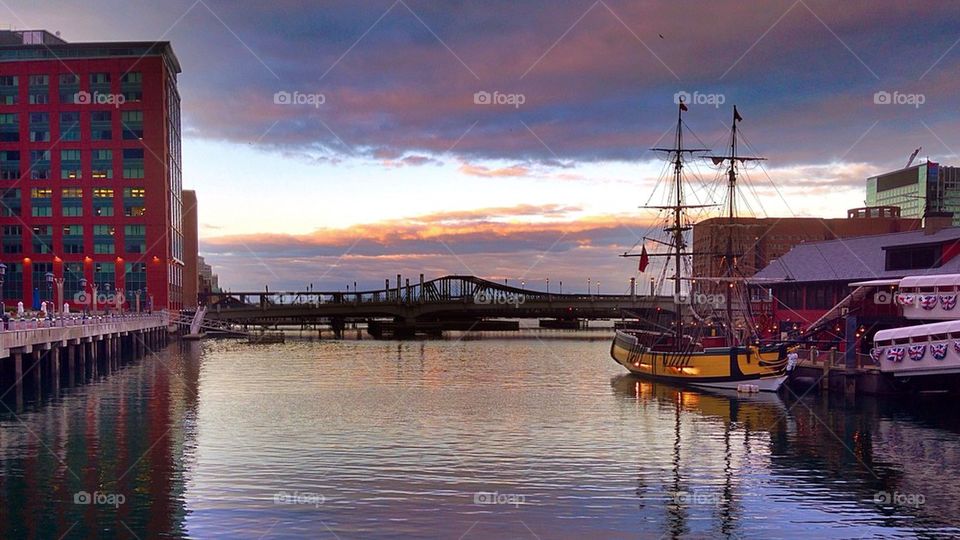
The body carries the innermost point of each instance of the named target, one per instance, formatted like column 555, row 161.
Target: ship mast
column 678, row 227
column 729, row 256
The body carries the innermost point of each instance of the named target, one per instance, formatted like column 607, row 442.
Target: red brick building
column 757, row 241
column 90, row 169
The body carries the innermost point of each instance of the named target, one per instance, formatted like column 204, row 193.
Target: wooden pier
column 38, row 355
column 830, row 372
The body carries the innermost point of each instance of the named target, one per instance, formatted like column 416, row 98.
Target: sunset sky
column 398, row 170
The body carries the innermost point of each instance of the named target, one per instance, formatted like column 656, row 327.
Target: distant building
column 917, row 190
column 209, row 282
column 757, row 241
column 90, row 168
column 191, row 269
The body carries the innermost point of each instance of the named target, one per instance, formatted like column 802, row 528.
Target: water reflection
column 379, row 439
column 107, row 459
column 867, row 466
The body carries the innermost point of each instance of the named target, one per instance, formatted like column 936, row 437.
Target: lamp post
column 50, row 277
column 589, row 287
column 561, row 286
column 548, row 285
column 3, row 275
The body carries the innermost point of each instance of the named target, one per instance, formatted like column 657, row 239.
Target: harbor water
column 537, row 434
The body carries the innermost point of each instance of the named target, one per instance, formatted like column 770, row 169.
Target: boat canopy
column 942, row 280
column 919, row 331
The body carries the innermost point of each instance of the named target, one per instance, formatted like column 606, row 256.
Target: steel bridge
column 453, row 298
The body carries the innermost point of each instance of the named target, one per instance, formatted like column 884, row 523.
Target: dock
column 42, row 354
column 828, row 370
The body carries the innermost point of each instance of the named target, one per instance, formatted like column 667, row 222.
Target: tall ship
column 718, row 348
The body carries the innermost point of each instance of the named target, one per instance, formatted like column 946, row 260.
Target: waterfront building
column 927, row 187
column 800, row 287
column 90, row 169
column 757, row 241
column 191, row 231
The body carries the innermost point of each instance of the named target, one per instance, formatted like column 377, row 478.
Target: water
column 462, row 438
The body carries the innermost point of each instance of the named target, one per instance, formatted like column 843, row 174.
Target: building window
column 73, row 239
column 41, row 202
column 11, row 203
column 132, row 124
column 101, row 126
column 13, row 284
column 69, row 87
column 12, row 240
column 8, row 90
column 133, row 205
column 43, row 239
column 135, row 279
column 70, row 126
column 104, row 275
column 914, row 257
column 101, row 164
column 9, row 127
column 103, row 201
column 135, row 238
column 9, row 164
column 40, row 164
column 70, row 168
column 39, row 89
column 131, row 86
column 39, row 127
column 133, row 163
column 72, row 274
column 71, row 200
column 99, row 83
column 103, row 239
column 40, row 270
column 791, row 296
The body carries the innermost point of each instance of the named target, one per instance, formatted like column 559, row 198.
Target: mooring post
column 71, row 364
column 18, row 378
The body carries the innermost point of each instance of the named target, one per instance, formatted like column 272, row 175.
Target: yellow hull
column 721, row 367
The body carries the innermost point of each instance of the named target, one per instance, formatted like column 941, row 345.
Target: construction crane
column 913, row 156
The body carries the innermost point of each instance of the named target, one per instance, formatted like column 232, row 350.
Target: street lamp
column 548, row 285
column 50, row 276
column 3, row 275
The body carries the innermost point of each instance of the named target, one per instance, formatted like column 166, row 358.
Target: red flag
column 644, row 259
column 736, row 115
column 683, row 106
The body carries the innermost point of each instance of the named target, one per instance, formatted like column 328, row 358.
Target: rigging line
column 830, row 333
column 774, row 184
